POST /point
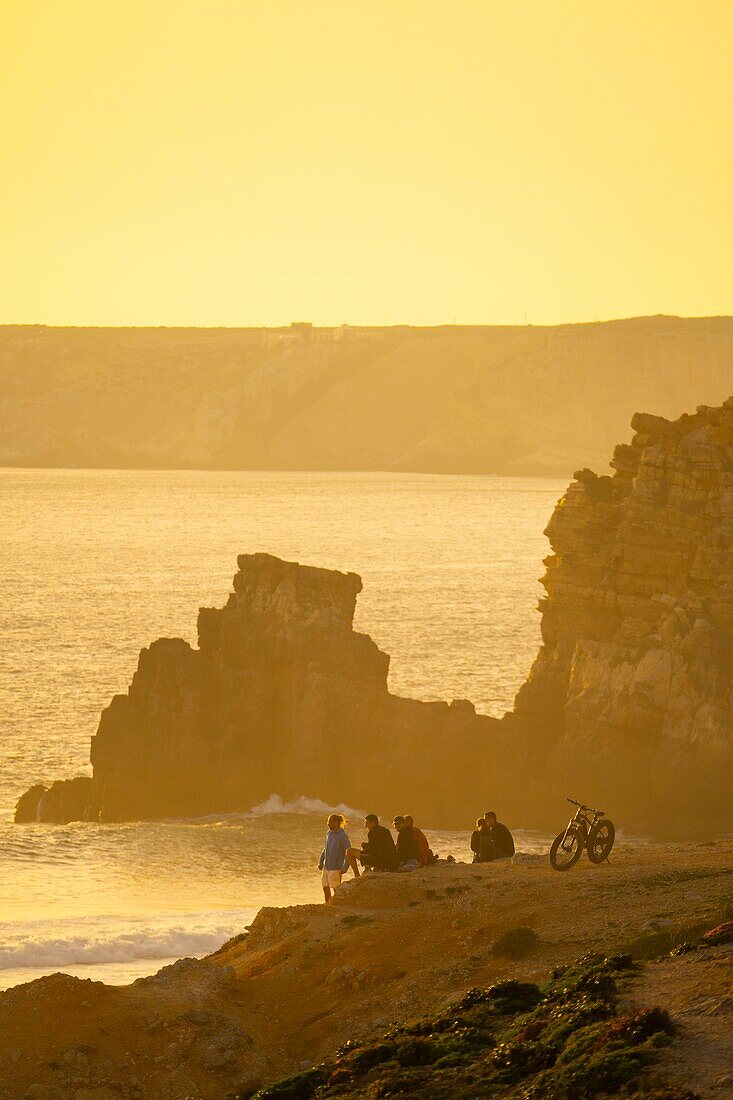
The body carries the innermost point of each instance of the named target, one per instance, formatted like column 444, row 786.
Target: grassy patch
column 566, row 1041
column 516, row 943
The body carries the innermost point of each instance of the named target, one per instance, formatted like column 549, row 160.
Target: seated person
column 378, row 851
column 502, row 838
column 409, row 856
column 422, row 840
column 482, row 846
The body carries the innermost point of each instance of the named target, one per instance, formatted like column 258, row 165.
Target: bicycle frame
column 584, row 818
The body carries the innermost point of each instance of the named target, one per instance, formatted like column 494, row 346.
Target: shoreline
column 116, row 932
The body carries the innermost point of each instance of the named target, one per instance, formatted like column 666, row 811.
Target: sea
column 95, row 564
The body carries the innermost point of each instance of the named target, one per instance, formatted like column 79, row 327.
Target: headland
column 282, row 997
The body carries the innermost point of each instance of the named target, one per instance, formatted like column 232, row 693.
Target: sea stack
column 281, row 696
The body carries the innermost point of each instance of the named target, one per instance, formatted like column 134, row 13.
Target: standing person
column 482, row 846
column 408, row 849
column 502, row 838
column 377, row 852
column 333, row 860
column 422, row 840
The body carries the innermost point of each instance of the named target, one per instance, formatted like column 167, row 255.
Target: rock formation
column 64, row 801
column 630, row 700
column 629, row 704
column 283, row 696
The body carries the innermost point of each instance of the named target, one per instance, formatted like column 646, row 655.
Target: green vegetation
column 516, row 943
column 566, row 1041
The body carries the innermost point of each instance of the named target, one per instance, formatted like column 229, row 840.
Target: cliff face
column 281, row 696
column 630, row 700
column 629, row 704
column 476, row 399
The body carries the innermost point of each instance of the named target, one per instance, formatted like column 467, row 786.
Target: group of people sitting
column 490, row 840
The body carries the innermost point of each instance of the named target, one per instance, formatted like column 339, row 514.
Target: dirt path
column 697, row 991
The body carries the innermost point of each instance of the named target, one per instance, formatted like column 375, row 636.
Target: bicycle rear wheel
column 567, row 848
column 600, row 841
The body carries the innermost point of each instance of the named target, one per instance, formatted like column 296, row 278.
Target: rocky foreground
column 394, row 950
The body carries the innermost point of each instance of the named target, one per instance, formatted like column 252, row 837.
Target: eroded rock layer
column 283, row 696
column 629, row 701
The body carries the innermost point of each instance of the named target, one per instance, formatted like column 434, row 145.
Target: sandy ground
column 391, row 947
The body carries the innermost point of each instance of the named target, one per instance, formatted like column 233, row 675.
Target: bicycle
column 585, row 831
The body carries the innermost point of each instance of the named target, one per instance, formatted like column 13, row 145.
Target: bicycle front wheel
column 567, row 848
column 600, row 841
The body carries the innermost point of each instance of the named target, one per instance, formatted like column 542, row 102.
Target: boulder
column 64, row 801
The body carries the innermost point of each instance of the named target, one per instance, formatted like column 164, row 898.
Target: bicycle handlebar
column 587, row 809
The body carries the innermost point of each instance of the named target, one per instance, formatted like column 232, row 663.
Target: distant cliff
column 629, row 704
column 502, row 399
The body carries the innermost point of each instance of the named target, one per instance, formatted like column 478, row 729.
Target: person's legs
column 330, row 880
column 354, row 857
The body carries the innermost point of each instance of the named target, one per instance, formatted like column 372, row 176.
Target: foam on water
column 275, row 805
column 58, row 944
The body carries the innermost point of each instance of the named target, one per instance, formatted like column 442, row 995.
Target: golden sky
column 247, row 162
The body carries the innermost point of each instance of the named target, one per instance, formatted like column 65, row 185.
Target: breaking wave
column 112, row 940
column 275, row 805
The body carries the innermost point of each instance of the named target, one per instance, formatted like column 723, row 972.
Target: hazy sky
column 258, row 161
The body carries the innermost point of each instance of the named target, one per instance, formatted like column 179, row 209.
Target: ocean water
column 96, row 564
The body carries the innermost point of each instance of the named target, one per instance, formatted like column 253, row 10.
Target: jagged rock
column 28, row 804
column 280, row 691
column 65, row 800
column 629, row 703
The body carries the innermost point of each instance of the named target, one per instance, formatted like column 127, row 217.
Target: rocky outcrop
column 629, row 704
column 630, row 700
column 281, row 695
column 64, row 801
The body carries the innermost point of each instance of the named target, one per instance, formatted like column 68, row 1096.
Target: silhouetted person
column 333, row 860
column 422, row 840
column 482, row 846
column 408, row 849
column 377, row 852
column 502, row 838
